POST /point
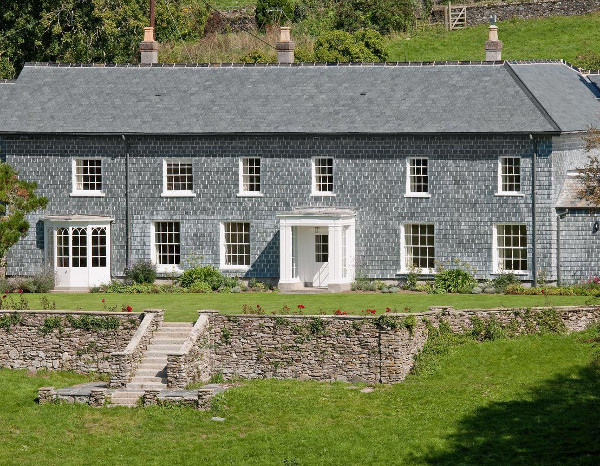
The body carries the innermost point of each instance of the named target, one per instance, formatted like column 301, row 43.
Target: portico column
column 285, row 253
column 335, row 254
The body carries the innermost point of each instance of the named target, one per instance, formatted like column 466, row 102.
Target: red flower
column 301, row 306
column 129, row 309
column 387, row 309
column 102, row 299
column 20, row 291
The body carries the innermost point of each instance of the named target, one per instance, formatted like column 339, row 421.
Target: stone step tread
column 162, row 346
column 152, row 365
column 171, row 336
column 149, row 378
column 177, row 324
column 148, row 386
column 168, row 341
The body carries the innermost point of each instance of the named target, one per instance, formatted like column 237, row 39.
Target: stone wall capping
column 208, row 311
column 92, row 313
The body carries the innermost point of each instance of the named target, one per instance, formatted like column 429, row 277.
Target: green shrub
column 199, row 287
column 383, row 15
column 141, row 272
column 269, row 12
column 454, row 280
column 341, row 46
column 502, row 281
column 206, row 274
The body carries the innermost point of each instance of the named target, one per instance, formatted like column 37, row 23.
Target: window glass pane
column 88, row 175
column 418, row 181
column 251, row 174
column 237, row 243
column 79, row 247
column 321, row 248
column 510, row 173
column 62, row 247
column 323, row 174
column 167, row 244
column 99, row 247
column 511, row 244
column 419, row 250
column 179, row 176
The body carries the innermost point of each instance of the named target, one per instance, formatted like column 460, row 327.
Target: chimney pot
column 493, row 46
column 285, row 47
column 149, row 34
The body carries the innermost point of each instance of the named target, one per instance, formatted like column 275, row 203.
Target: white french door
column 81, row 255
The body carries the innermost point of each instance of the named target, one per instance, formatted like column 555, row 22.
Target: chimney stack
column 149, row 47
column 493, row 46
column 285, row 46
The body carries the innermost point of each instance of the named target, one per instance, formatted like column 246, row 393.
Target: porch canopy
column 317, row 248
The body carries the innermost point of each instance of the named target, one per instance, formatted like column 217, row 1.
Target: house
column 305, row 174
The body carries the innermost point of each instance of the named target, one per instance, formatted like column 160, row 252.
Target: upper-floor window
column 235, row 245
column 509, row 175
column 510, row 248
column 417, row 179
column 166, row 252
column 250, row 176
column 178, row 179
column 322, row 176
column 87, row 177
column 418, row 247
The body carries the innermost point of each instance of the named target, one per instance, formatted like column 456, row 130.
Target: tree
column 17, row 198
column 589, row 175
column 383, row 15
column 341, row 46
column 89, row 30
column 269, row 12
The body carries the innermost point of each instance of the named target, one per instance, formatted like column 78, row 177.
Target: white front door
column 81, row 255
column 321, row 277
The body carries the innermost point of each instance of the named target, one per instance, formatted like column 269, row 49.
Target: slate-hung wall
column 370, row 178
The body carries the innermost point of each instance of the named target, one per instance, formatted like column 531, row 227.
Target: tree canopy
column 589, row 175
column 17, row 198
column 89, row 30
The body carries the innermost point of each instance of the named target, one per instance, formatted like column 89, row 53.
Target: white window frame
column 403, row 268
column 223, row 248
column 500, row 192
column 495, row 250
column 408, row 192
column 164, row 268
column 241, row 191
column 82, row 192
column 314, row 191
column 177, row 193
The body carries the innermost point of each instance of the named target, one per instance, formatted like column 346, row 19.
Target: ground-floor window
column 511, row 248
column 236, row 245
column 167, row 243
column 419, row 247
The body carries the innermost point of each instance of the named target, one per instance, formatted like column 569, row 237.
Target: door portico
column 78, row 250
column 317, row 249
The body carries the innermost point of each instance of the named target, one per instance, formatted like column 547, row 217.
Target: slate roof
column 404, row 98
column 569, row 97
column 569, row 197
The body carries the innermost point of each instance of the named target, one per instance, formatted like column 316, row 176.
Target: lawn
column 557, row 37
column 184, row 307
column 532, row 400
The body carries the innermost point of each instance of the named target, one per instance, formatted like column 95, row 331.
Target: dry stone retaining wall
column 348, row 348
column 479, row 13
column 25, row 344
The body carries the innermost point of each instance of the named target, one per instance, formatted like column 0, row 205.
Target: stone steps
column 151, row 372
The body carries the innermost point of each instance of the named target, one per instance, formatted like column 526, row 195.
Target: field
column 531, row 400
column 184, row 307
column 568, row 38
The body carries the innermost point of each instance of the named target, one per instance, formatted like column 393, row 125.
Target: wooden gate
column 455, row 16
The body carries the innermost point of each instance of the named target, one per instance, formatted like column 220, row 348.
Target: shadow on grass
column 559, row 423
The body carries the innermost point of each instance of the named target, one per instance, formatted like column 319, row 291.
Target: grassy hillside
column 570, row 38
column 575, row 39
column 532, row 400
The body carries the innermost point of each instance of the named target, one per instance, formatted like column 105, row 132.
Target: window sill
column 178, row 194
column 421, row 274
column 522, row 273
column 510, row 194
column 161, row 269
column 234, row 268
column 87, row 194
column 422, row 195
column 251, row 194
column 322, row 194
